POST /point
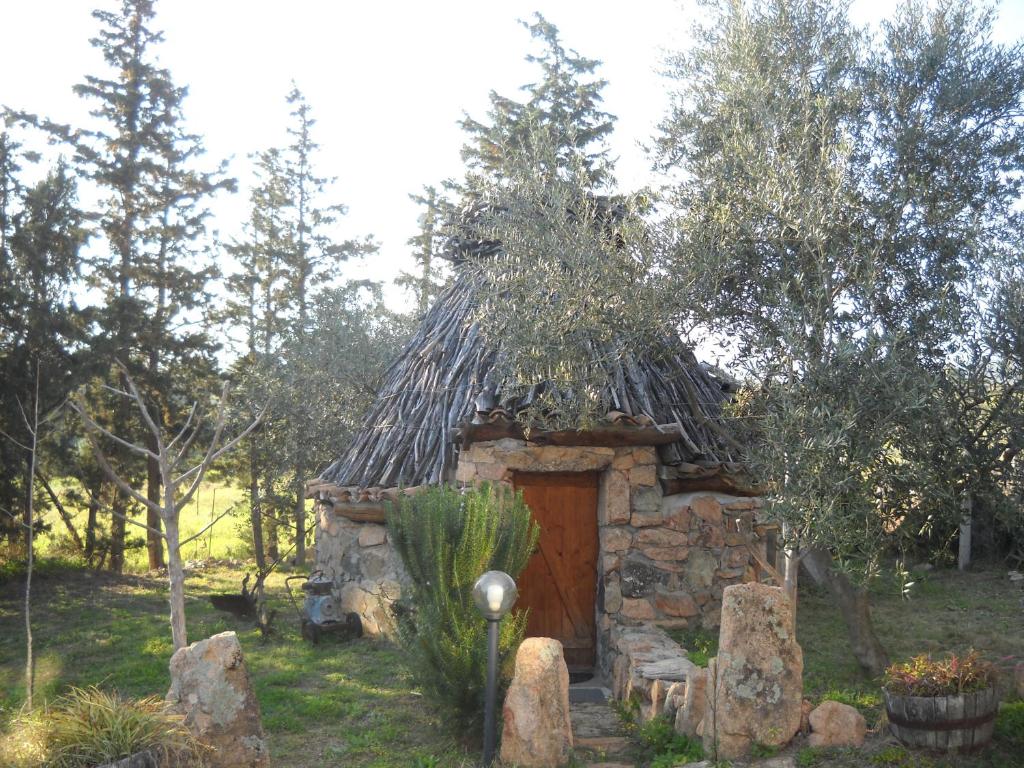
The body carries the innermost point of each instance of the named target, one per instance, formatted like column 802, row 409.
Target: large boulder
column 210, row 686
column 537, row 731
column 836, row 725
column 755, row 686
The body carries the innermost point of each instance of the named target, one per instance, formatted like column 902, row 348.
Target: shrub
column 657, row 738
column 1010, row 724
column 447, row 539
column 921, row 676
column 90, row 727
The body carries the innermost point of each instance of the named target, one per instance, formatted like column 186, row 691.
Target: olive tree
column 838, row 200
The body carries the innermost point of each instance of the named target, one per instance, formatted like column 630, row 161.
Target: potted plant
column 947, row 704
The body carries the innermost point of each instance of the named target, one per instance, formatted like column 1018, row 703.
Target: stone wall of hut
column 366, row 570
column 662, row 560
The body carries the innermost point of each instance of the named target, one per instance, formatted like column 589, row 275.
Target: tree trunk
column 963, row 560
column 119, row 510
column 91, row 522
column 154, row 541
column 300, row 515
column 790, row 567
column 30, row 667
column 269, row 514
column 176, row 578
column 256, row 516
column 256, row 511
column 855, row 609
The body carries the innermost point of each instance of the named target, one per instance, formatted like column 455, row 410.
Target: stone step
column 608, row 745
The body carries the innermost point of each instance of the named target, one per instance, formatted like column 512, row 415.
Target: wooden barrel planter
column 963, row 722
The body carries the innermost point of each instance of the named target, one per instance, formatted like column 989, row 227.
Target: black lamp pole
column 491, row 692
column 494, row 593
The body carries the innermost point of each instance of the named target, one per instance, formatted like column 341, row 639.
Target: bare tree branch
column 212, row 457
column 109, row 470
column 15, row 441
column 141, row 403
column 210, row 525
column 15, row 518
column 93, row 426
column 184, row 429
column 100, row 504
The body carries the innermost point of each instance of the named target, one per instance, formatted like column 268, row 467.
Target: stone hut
column 644, row 518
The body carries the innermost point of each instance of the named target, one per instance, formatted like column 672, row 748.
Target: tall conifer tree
column 151, row 217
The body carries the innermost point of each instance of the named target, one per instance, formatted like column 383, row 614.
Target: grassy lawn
column 332, row 704
column 947, row 611
column 226, row 540
column 355, row 705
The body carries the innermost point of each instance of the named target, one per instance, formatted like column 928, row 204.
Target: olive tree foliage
column 840, row 198
column 572, row 289
column 965, row 450
column 565, row 268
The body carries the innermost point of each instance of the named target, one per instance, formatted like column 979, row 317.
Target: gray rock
column 700, row 569
column 639, row 579
column 210, row 686
column 537, row 732
column 755, row 686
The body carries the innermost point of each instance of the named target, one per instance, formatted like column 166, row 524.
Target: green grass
column 332, row 704
column 223, row 541
column 701, row 644
column 947, row 611
column 356, row 705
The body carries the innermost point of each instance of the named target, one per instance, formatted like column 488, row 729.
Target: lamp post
column 494, row 594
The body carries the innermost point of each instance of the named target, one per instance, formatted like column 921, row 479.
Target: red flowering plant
column 923, row 676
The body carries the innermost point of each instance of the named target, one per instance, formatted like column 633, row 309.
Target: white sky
column 387, row 81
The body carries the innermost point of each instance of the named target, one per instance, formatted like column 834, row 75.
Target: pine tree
column 41, row 327
column 426, row 283
column 152, row 221
column 289, row 255
column 565, row 101
column 310, row 261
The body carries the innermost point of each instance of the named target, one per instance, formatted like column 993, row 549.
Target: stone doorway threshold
column 586, row 687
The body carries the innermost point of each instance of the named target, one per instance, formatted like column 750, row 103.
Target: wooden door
column 559, row 584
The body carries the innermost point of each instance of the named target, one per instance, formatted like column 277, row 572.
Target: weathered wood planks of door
column 559, row 584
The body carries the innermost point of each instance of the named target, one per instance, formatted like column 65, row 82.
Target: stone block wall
column 366, row 570
column 662, row 560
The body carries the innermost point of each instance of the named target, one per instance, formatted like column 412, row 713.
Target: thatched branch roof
column 444, row 379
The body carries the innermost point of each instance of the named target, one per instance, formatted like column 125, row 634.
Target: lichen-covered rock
column 639, row 579
column 755, row 691
column 836, row 725
column 210, row 686
column 537, row 733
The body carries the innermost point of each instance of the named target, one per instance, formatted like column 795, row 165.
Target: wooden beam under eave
column 364, row 512
column 598, row 437
column 715, row 483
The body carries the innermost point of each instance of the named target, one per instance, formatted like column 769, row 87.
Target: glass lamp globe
column 494, row 594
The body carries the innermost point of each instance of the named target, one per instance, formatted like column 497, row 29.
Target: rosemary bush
column 446, row 539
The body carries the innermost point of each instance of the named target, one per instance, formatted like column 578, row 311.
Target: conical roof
column 444, row 378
